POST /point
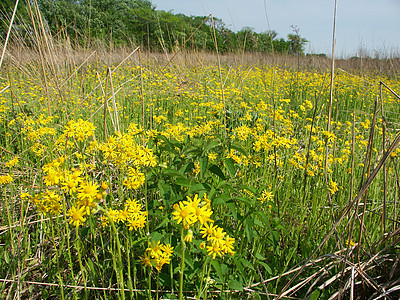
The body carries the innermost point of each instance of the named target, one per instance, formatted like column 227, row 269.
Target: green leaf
column 249, row 188
column 239, row 149
column 91, row 266
column 258, row 256
column 165, row 221
column 199, row 187
column 248, row 227
column 235, row 285
column 232, row 207
column 217, row 171
column 170, row 172
column 189, row 260
column 156, row 236
column 211, row 145
column 183, row 182
column 245, row 201
column 217, row 269
column 258, row 222
column 6, row 257
column 263, row 217
column 230, row 166
column 266, row 267
column 240, row 267
column 315, row 295
column 219, row 201
column 246, row 263
column 203, row 165
column 187, row 168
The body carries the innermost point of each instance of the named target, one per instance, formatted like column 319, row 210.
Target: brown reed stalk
column 40, row 48
column 220, row 73
column 142, row 95
column 383, row 227
column 105, row 105
column 116, row 121
column 331, row 91
column 8, row 33
column 367, row 168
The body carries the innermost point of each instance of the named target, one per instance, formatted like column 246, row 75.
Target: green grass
column 260, row 141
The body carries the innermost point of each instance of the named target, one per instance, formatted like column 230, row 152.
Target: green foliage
column 20, row 20
column 138, row 22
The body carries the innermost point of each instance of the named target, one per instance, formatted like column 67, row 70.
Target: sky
column 369, row 25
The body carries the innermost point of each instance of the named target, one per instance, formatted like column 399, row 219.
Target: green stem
column 202, row 279
column 78, row 249
column 120, row 275
column 182, row 265
column 57, row 258
column 149, row 285
column 129, row 264
column 208, row 279
column 158, row 283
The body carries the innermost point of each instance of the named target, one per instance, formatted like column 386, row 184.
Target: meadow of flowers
column 169, row 181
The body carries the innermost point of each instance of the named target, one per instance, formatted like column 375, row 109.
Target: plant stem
column 78, row 249
column 182, row 265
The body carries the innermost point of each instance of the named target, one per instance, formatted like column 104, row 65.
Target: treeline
column 138, row 22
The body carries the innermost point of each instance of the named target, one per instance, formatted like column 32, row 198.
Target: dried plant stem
column 116, row 121
column 8, row 33
column 331, row 91
column 220, row 74
column 383, row 227
column 105, row 108
column 368, row 159
column 142, row 94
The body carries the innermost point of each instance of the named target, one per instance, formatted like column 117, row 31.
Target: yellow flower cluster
column 195, row 210
column 80, row 129
column 122, row 151
column 47, row 202
column 191, row 211
column 157, row 255
column 266, row 196
column 218, row 242
column 5, row 179
column 13, row 162
column 135, row 179
column 84, row 193
column 132, row 215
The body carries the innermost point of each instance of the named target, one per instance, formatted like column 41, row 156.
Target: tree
column 21, row 19
column 295, row 42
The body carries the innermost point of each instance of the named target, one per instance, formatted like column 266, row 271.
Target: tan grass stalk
column 220, row 73
column 389, row 89
column 368, row 160
column 269, row 28
column 4, row 89
column 142, row 95
column 8, row 33
column 105, row 106
column 41, row 55
column 101, row 81
column 331, row 91
column 77, row 69
column 116, row 121
column 383, row 227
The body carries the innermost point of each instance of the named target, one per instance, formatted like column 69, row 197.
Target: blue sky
column 373, row 25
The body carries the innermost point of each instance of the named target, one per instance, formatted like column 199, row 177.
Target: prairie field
column 166, row 176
